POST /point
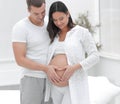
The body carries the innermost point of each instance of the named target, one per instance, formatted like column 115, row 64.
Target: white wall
column 10, row 13
column 80, row 6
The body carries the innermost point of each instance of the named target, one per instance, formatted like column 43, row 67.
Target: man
column 30, row 45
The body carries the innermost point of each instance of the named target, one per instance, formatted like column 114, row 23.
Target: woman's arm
column 91, row 50
column 69, row 71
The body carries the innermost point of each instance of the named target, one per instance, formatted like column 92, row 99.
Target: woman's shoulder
column 79, row 28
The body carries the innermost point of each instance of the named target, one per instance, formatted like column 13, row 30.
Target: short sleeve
column 19, row 33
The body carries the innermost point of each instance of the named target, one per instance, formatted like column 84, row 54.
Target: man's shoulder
column 21, row 22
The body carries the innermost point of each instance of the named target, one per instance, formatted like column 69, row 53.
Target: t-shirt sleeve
column 19, row 33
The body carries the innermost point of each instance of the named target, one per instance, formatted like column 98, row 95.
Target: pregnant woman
column 69, row 43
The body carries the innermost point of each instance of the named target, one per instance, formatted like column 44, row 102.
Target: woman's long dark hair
column 52, row 29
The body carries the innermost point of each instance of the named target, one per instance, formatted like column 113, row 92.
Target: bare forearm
column 30, row 64
column 77, row 66
column 20, row 52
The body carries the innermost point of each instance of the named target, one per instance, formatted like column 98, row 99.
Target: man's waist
column 32, row 73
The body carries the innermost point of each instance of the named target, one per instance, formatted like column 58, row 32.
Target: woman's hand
column 60, row 71
column 69, row 71
column 52, row 75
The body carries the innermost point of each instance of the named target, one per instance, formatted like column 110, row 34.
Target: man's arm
column 19, row 49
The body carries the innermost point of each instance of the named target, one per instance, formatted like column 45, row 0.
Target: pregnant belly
column 60, row 61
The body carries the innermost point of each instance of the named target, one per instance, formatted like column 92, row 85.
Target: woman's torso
column 60, row 60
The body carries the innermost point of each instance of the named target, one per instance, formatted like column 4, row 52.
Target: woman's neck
column 62, row 34
column 64, row 31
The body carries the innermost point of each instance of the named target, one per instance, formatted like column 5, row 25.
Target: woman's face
column 60, row 19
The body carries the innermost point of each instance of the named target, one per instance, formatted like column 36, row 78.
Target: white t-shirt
column 37, row 40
